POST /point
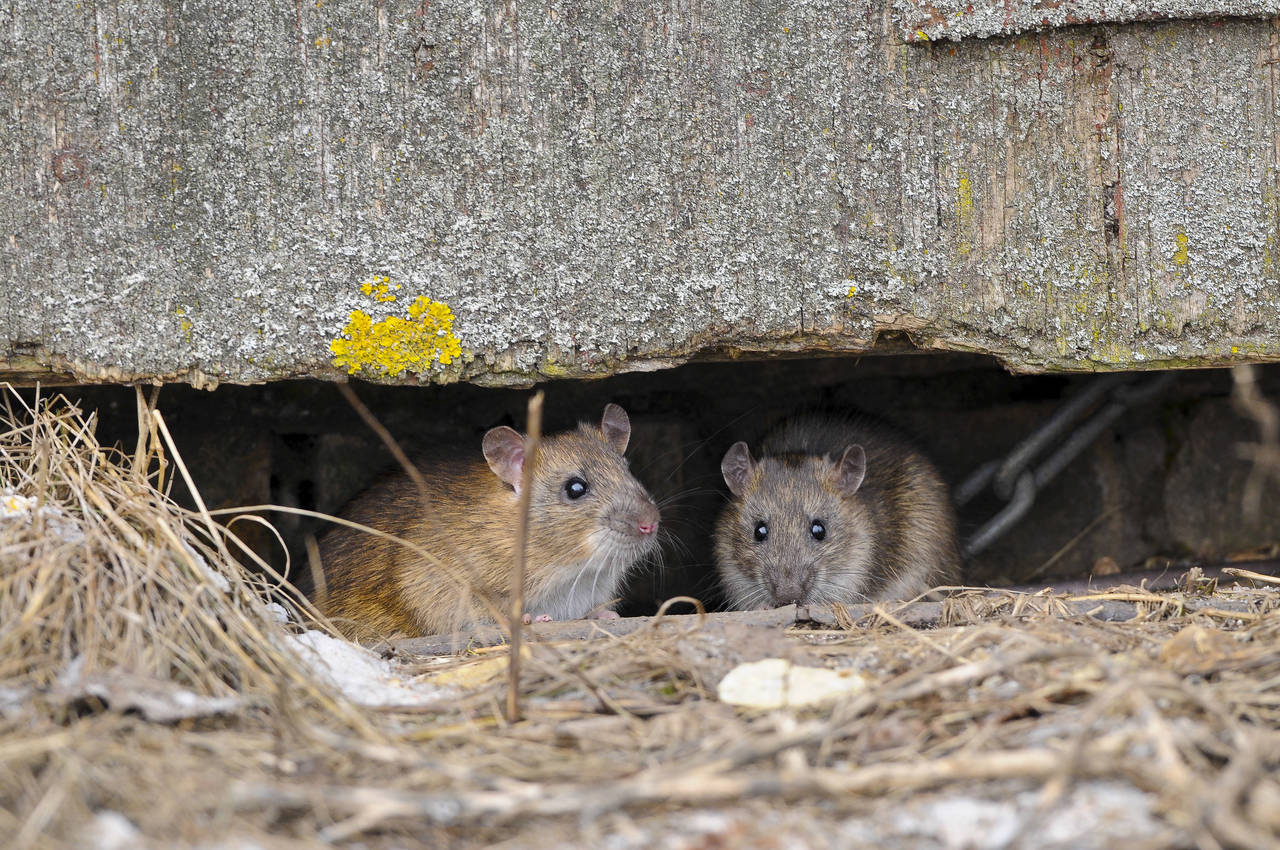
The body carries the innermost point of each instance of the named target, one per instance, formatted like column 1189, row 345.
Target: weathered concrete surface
column 926, row 20
column 198, row 193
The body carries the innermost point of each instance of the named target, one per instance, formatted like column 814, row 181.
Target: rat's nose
column 647, row 522
column 791, row 587
column 791, row 593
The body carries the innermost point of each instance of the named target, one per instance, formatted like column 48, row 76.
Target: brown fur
column 892, row 537
column 466, row 522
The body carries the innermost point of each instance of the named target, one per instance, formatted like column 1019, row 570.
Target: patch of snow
column 17, row 507
column 276, row 612
column 1091, row 815
column 13, row 700
column 12, row 505
column 359, row 675
column 110, row 831
column 963, row 822
column 211, row 575
column 1106, row 813
column 157, row 700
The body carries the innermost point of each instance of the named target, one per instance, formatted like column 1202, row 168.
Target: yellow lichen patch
column 964, row 212
column 395, row 345
column 1180, row 256
column 379, row 288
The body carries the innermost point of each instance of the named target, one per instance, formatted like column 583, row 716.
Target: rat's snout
column 636, row 518
column 790, row 593
column 647, row 518
column 790, row 587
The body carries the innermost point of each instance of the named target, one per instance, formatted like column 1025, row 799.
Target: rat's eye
column 762, row 532
column 575, row 488
column 818, row 529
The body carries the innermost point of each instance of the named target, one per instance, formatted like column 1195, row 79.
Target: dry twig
column 532, row 442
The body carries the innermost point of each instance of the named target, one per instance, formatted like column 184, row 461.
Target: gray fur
column 887, row 521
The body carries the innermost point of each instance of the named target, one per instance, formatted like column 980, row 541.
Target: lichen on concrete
column 395, row 346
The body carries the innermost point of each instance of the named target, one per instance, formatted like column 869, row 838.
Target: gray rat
column 590, row 521
column 836, row 510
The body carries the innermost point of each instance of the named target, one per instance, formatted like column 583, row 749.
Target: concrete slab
column 501, row 192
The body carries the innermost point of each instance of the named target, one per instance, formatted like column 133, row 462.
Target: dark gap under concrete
column 1165, row 482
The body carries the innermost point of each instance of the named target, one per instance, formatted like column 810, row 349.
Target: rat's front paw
column 604, row 614
column 541, row 618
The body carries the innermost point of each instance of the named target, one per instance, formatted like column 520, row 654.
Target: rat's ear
column 616, row 426
column 850, row 470
column 504, row 450
column 737, row 467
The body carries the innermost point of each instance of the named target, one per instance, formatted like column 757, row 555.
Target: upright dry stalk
column 532, row 440
column 140, row 453
column 1248, row 399
column 387, row 440
column 215, row 533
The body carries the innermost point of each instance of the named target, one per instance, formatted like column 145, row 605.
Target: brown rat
column 590, row 521
column 836, row 510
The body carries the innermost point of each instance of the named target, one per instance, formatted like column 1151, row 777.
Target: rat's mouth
column 625, row 541
column 792, row 587
column 643, row 533
column 641, row 543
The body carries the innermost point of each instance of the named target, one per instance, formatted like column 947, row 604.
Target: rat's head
column 794, row 531
column 584, row 503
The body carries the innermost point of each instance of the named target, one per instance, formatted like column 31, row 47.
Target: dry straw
column 104, row 573
column 114, row 601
